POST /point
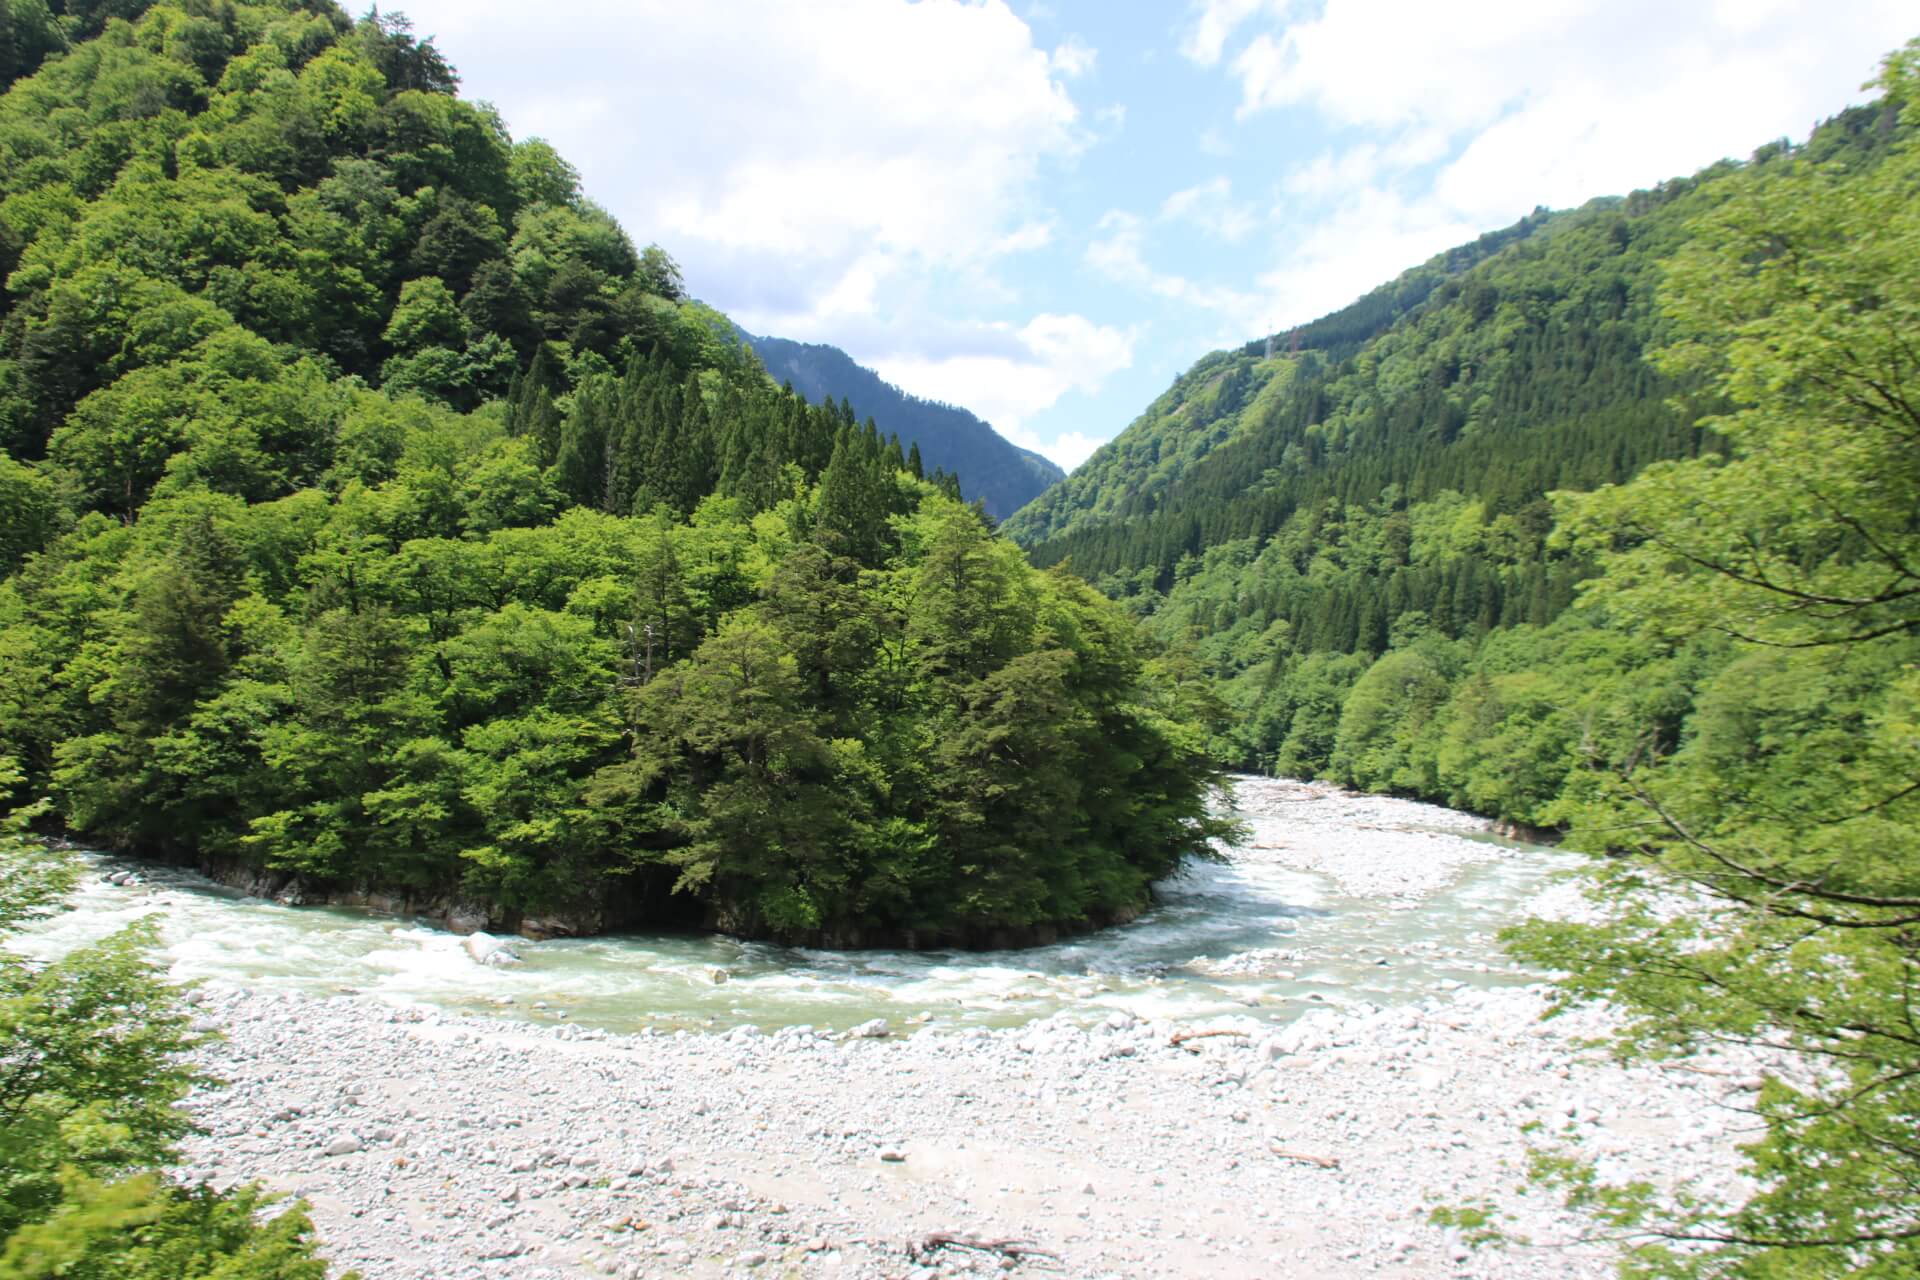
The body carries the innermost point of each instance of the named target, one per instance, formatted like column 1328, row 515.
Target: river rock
column 874, row 1030
column 466, row 919
column 489, row 950
column 1303, row 1036
column 540, row 928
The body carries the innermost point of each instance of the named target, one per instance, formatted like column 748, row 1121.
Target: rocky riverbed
column 1314, row 1141
column 435, row 1146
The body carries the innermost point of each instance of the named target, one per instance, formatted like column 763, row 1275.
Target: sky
column 1045, row 210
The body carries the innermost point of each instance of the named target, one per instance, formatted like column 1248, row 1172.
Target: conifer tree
column 524, row 389
column 543, row 425
column 694, row 471
column 659, row 479
column 665, row 626
column 630, row 443
column 840, row 514
column 580, row 467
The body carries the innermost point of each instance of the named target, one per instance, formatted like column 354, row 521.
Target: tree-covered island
column 377, row 514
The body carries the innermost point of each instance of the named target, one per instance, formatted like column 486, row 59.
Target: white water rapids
column 1268, row 933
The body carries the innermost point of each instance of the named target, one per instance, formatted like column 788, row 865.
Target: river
column 1268, row 932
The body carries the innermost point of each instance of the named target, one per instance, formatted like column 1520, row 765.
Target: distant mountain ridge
column 990, row 466
column 1228, row 395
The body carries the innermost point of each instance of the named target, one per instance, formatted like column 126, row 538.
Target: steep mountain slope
column 1381, row 481
column 1227, row 394
column 1528, row 356
column 991, row 468
column 1497, row 372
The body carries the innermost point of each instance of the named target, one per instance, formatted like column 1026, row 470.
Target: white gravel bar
column 438, row 1145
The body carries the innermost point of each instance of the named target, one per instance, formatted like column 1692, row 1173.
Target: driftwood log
column 1323, row 1162
column 1181, row 1037
column 1698, row 1071
column 1015, row 1249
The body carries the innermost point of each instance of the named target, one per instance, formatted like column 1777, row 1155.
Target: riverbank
column 1314, row 1143
column 1380, row 848
column 435, row 1146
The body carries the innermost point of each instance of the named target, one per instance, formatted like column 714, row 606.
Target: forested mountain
column 1377, row 481
column 1497, row 374
column 1002, row 475
column 376, row 512
column 1227, row 395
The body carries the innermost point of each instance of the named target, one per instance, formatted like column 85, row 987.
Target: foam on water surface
column 1251, row 936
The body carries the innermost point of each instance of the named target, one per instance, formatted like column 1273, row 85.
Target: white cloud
column 1073, row 57
column 1067, row 450
column 1361, row 164
column 1214, row 23
column 1019, row 372
column 1449, row 127
column 1390, row 62
column 1028, row 236
column 1211, row 207
column 1387, row 64
column 848, row 145
column 1331, row 173
column 1371, row 236
column 857, row 172
column 1118, row 252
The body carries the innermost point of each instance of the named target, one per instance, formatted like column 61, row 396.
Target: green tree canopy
column 1790, row 804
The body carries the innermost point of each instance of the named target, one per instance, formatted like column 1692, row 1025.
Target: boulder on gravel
column 1302, row 1036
